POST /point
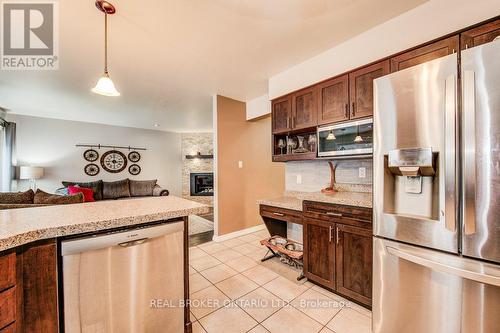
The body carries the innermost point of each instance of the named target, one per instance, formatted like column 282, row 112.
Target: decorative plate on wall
column 114, row 161
column 91, row 155
column 134, row 156
column 134, row 169
column 91, row 169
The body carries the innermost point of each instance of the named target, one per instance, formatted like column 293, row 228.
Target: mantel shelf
column 205, row 157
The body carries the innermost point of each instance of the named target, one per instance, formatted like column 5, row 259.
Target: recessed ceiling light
column 156, row 125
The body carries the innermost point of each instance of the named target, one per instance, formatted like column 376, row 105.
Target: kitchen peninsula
column 32, row 289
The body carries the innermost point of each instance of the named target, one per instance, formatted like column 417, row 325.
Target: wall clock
column 134, row 156
column 113, row 161
column 91, row 169
column 134, row 169
column 91, row 155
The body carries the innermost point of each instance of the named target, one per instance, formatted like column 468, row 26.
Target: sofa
column 30, row 198
column 122, row 189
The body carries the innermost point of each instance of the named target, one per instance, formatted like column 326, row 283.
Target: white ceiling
column 168, row 57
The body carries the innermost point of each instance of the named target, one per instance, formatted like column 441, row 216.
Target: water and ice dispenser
column 411, row 183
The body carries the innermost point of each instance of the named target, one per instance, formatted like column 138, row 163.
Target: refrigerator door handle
column 445, row 268
column 469, row 164
column 450, row 163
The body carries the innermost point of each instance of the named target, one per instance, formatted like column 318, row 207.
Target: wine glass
column 281, row 145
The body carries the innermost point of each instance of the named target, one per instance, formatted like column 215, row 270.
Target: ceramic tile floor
column 232, row 291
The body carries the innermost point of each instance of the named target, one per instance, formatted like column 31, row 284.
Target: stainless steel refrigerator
column 437, row 196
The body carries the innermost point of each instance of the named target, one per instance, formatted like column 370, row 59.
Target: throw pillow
column 88, row 193
column 17, row 197
column 142, row 188
column 42, row 197
column 115, row 190
column 95, row 186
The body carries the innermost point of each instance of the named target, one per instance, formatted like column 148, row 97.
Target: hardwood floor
column 201, row 238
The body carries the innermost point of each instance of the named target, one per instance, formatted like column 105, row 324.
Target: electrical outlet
column 299, row 179
column 362, row 172
column 240, row 164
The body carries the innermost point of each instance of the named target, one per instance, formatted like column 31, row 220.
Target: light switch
column 240, row 164
column 362, row 172
column 299, row 179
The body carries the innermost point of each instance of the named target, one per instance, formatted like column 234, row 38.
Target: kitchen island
column 31, row 286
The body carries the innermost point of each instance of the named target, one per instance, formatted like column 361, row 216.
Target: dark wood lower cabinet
column 354, row 263
column 40, row 312
column 319, row 252
column 30, row 303
column 338, row 249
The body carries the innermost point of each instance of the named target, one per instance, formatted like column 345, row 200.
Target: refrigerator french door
column 436, row 196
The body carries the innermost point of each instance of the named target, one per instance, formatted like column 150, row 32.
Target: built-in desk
column 337, row 238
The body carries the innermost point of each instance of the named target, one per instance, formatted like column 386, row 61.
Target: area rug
column 198, row 225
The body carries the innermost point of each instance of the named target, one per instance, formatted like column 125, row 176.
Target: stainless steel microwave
column 351, row 138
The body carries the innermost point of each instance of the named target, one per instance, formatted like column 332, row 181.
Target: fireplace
column 202, row 184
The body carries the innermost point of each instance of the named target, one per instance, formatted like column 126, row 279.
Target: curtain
column 7, row 149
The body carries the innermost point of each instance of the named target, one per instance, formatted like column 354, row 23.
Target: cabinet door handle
column 279, row 214
column 337, row 235
column 287, row 123
column 353, row 109
column 347, row 110
column 334, row 214
column 293, row 122
column 331, row 233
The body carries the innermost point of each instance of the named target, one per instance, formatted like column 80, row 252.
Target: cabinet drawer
column 8, row 307
column 357, row 216
column 7, row 271
column 282, row 214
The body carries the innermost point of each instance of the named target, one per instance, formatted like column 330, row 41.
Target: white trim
column 239, row 233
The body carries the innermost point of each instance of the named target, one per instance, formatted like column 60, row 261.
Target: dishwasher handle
column 123, row 239
column 134, row 242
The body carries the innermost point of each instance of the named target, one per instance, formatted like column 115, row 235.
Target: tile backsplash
column 312, row 176
column 315, row 175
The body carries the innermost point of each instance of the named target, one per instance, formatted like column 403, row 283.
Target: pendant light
column 105, row 86
column 358, row 137
column 331, row 136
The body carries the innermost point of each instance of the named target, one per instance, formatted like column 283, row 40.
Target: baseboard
column 239, row 233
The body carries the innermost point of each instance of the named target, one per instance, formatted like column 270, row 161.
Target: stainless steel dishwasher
column 127, row 281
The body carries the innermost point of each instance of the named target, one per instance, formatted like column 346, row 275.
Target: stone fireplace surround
column 191, row 144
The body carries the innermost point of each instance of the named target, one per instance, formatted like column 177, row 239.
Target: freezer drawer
column 419, row 290
column 131, row 281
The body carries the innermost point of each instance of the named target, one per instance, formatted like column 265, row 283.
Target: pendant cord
column 105, row 43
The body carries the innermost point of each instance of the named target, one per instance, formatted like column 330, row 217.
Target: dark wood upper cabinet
column 333, row 100
column 354, row 263
column 480, row 35
column 319, row 251
column 304, row 108
column 361, row 88
column 281, row 114
column 425, row 53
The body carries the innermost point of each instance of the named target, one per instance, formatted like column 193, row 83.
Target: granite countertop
column 22, row 226
column 293, row 200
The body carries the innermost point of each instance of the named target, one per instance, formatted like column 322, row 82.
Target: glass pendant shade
column 105, row 87
column 331, row 136
column 358, row 139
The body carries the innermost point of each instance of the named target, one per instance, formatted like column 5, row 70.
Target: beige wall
column 240, row 188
